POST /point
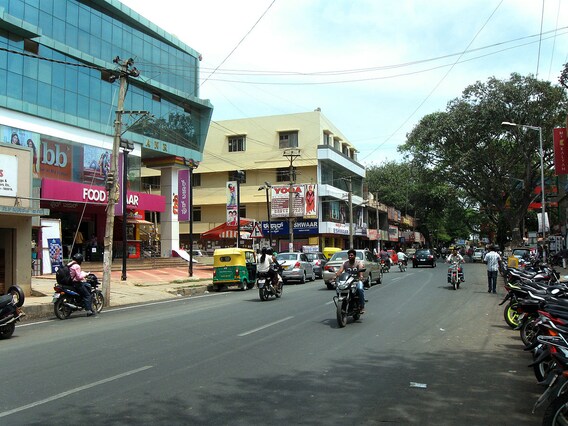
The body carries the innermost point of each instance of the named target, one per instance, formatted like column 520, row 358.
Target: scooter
column 67, row 300
column 10, row 311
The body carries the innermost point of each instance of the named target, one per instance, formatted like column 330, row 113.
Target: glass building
column 59, row 67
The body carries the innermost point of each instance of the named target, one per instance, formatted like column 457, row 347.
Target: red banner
column 560, row 151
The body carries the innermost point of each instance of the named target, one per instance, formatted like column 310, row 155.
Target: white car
column 478, row 255
column 296, row 267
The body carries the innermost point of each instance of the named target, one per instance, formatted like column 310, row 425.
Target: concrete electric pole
column 291, row 154
column 112, row 177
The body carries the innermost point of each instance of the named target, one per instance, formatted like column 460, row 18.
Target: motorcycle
column 10, row 311
column 347, row 301
column 385, row 265
column 402, row 265
column 268, row 289
column 67, row 300
column 455, row 275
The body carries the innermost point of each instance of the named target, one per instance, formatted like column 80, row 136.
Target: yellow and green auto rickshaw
column 234, row 267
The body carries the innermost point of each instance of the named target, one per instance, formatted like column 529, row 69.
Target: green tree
column 497, row 167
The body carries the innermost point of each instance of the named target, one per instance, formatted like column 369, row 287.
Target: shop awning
column 225, row 231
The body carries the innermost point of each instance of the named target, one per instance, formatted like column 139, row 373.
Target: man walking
column 493, row 260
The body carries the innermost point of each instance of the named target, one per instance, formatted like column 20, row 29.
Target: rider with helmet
column 78, row 279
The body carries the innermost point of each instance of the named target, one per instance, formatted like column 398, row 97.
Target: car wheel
column 303, row 279
column 313, row 277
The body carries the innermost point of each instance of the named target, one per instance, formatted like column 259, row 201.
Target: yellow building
column 267, row 149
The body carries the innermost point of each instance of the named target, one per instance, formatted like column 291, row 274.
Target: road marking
column 72, row 391
column 264, row 326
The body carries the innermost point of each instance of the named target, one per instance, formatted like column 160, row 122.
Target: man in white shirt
column 493, row 260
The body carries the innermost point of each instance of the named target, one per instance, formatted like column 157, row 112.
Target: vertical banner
column 560, row 151
column 232, row 194
column 118, row 207
column 311, row 205
column 546, row 225
column 183, row 191
column 55, row 253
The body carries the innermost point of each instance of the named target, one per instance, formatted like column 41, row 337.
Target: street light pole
column 126, row 146
column 542, row 198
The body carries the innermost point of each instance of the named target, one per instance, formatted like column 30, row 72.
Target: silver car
column 319, row 261
column 372, row 274
column 296, row 267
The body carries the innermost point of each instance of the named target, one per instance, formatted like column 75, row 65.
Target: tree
column 468, row 147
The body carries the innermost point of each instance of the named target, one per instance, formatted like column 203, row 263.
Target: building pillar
column 169, row 225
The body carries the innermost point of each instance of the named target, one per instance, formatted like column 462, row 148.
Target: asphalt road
column 422, row 354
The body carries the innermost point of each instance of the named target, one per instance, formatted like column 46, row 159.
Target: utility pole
column 291, row 154
column 112, row 178
column 350, row 201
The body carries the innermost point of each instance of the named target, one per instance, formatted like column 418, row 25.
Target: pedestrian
column 79, row 240
column 493, row 261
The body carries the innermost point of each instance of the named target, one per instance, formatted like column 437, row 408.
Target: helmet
column 78, row 257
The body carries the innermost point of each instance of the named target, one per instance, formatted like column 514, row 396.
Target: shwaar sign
column 8, row 175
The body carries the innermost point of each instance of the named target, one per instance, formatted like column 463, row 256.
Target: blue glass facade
column 51, row 56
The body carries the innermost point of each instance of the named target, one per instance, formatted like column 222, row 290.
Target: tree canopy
column 498, row 167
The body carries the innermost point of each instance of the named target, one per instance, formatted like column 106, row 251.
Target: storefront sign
column 8, row 175
column 281, row 228
column 78, row 192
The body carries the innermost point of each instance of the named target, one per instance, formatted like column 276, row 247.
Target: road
column 422, row 354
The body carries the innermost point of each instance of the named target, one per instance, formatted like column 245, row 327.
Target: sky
column 373, row 67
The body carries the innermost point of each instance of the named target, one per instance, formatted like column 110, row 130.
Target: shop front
column 83, row 207
column 306, row 233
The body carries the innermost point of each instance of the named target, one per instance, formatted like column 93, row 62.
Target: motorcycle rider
column 353, row 265
column 402, row 257
column 266, row 263
column 455, row 257
column 78, row 279
column 385, row 258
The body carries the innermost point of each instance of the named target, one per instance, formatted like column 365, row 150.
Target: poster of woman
column 15, row 136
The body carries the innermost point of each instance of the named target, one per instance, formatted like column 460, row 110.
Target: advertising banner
column 281, row 195
column 281, row 228
column 8, row 176
column 560, row 151
column 232, row 192
column 183, row 191
column 311, row 205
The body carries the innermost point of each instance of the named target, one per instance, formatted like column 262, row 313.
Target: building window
column 337, row 144
column 288, row 140
column 238, row 174
column 242, row 211
column 196, row 179
column 196, row 214
column 327, row 138
column 283, row 174
column 31, row 46
column 237, row 143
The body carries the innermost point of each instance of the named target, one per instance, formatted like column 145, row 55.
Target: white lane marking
column 264, row 326
column 72, row 391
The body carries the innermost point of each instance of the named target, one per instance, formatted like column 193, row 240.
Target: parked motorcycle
column 268, row 289
column 67, row 300
column 347, row 301
column 10, row 311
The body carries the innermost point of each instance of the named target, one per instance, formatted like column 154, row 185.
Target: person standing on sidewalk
column 493, row 260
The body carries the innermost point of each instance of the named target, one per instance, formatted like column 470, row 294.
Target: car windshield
column 423, row 252
column 342, row 255
column 312, row 256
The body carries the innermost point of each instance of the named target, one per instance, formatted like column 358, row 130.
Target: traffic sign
column 256, row 231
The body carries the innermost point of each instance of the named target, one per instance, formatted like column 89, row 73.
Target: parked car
column 478, row 255
column 371, row 275
column 424, row 257
column 318, row 262
column 296, row 267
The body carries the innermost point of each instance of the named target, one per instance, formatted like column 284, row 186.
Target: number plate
column 55, row 297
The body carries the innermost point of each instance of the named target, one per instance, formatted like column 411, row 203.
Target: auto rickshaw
column 234, row 267
column 328, row 251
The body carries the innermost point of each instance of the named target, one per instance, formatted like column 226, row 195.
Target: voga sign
column 96, row 195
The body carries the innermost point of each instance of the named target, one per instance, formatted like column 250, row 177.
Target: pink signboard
column 52, row 189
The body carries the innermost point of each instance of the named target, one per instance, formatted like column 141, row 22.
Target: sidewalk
column 140, row 286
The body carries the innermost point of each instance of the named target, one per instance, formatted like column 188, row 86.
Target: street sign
column 256, row 231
